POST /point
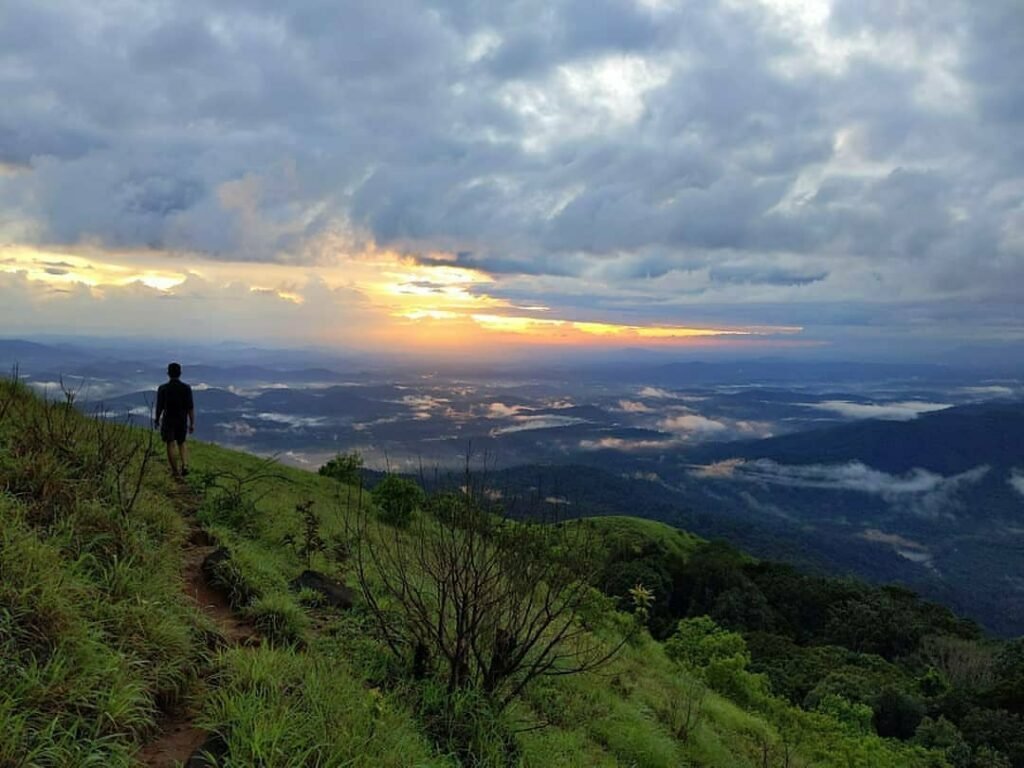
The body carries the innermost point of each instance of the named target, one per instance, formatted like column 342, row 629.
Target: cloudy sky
column 781, row 174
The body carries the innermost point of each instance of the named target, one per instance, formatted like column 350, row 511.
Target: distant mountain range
column 936, row 502
column 947, row 441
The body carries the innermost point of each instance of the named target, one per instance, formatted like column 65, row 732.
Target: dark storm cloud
column 653, row 151
column 21, row 144
column 763, row 276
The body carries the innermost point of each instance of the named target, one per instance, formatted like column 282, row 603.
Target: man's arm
column 191, row 412
column 159, row 405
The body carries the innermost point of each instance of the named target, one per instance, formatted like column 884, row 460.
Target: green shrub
column 279, row 618
column 344, row 467
column 309, row 597
column 397, row 500
column 699, row 641
column 249, row 572
column 729, row 676
column 231, row 509
column 465, row 724
column 897, row 714
column 854, row 716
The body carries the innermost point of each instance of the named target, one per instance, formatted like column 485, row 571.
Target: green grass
column 291, row 710
column 96, row 638
column 95, row 633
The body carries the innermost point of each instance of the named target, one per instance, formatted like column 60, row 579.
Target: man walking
column 175, row 413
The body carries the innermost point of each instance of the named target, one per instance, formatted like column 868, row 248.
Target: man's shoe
column 184, row 471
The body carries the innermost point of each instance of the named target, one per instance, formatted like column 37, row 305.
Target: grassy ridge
column 97, row 639
column 96, row 635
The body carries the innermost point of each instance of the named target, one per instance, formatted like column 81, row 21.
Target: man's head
column 174, row 370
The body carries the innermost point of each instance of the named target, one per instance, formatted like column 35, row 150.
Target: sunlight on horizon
column 414, row 304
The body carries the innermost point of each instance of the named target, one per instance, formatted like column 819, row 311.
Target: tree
column 942, row 734
column 398, row 499
column 897, row 714
column 1008, row 690
column 699, row 641
column 852, row 715
column 719, row 656
column 309, row 542
column 344, row 467
column 484, row 602
column 965, row 663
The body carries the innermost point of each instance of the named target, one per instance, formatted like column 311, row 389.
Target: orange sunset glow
column 419, row 305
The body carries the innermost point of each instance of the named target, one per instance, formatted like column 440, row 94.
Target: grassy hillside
column 99, row 644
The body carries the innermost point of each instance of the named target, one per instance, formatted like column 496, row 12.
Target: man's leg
column 183, row 451
column 171, row 459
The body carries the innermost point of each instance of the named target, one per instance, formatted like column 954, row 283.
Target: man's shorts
column 174, row 430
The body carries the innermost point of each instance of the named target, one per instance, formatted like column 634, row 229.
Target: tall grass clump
column 278, row 708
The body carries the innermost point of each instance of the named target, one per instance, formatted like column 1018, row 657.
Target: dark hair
column 174, row 370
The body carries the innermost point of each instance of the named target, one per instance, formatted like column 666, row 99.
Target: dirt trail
column 179, row 737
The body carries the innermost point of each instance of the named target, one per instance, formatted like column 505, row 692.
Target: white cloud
column 540, row 421
column 581, row 99
column 624, row 444
column 238, row 428
column 898, row 411
column 498, row 410
column 992, row 390
column 920, row 491
column 426, row 402
column 853, row 476
column 633, row 406
column 1016, row 480
column 692, row 424
column 657, row 393
column 199, row 306
column 292, row 420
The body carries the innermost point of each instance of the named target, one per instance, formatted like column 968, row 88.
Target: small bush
column 232, row 510
column 397, row 500
column 309, row 597
column 247, row 574
column 344, row 467
column 279, row 618
column 464, row 724
column 309, row 541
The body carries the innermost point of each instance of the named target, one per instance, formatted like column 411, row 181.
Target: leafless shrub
column 682, row 714
column 965, row 663
column 773, row 753
column 486, row 602
column 9, row 392
column 238, row 492
column 243, row 483
column 309, row 542
column 123, row 455
column 60, row 450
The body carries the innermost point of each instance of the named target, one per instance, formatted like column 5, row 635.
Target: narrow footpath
column 179, row 737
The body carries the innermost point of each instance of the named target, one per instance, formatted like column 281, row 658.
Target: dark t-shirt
column 174, row 401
